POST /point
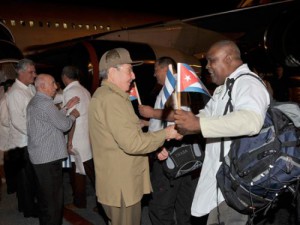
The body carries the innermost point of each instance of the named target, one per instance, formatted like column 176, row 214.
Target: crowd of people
column 106, row 142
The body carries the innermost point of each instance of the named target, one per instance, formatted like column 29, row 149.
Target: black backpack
column 259, row 168
column 183, row 160
column 186, row 156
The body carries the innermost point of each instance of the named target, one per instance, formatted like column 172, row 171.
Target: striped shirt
column 45, row 128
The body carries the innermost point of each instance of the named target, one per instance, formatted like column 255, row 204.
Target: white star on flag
column 187, row 78
column 188, row 81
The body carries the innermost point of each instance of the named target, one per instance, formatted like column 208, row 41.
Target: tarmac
column 283, row 214
column 9, row 214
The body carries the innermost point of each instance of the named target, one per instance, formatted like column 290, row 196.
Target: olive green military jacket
column 119, row 147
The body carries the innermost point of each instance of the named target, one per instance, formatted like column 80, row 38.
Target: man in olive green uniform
column 119, row 145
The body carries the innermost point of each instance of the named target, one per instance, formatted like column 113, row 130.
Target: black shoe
column 11, row 191
column 27, row 215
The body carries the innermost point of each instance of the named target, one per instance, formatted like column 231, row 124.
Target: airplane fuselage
column 35, row 24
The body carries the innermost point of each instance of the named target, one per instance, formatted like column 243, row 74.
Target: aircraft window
column 31, row 23
column 48, row 24
column 40, row 24
column 56, row 25
column 22, row 22
column 73, row 26
column 65, row 25
column 101, row 27
column 3, row 21
column 87, row 26
column 95, row 27
column 13, row 23
column 108, row 28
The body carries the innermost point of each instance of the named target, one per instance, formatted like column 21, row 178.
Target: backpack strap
column 229, row 85
column 229, row 106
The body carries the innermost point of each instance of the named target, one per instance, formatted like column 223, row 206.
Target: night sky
column 186, row 9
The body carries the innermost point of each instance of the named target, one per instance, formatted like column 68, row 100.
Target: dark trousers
column 171, row 199
column 78, row 183
column 50, row 192
column 11, row 167
column 20, row 178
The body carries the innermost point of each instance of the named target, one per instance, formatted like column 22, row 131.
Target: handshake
column 185, row 123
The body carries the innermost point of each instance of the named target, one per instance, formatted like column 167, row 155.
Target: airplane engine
column 281, row 39
column 9, row 54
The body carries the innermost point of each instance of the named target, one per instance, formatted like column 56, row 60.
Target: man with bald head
column 46, row 125
column 250, row 100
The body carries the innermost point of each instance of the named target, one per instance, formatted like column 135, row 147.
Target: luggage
column 259, row 168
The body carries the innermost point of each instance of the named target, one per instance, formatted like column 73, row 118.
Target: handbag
column 182, row 160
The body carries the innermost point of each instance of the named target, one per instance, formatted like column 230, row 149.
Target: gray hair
column 23, row 63
column 40, row 80
column 103, row 73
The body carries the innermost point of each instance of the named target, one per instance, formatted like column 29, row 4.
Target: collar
column 240, row 70
column 230, row 79
column 115, row 89
column 73, row 83
column 44, row 95
column 22, row 85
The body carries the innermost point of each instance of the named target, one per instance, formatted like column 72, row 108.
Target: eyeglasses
column 125, row 69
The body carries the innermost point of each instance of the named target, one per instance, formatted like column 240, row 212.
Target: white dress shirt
column 81, row 140
column 250, row 101
column 156, row 124
column 4, row 123
column 18, row 98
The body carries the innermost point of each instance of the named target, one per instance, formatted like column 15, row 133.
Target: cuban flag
column 133, row 93
column 188, row 81
column 168, row 88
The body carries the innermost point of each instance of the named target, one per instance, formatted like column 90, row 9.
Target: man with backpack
column 250, row 101
column 172, row 197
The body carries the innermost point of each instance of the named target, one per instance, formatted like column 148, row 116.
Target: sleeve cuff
column 72, row 117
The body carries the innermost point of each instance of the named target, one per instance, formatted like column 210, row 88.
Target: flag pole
column 179, row 100
column 174, row 94
column 137, row 93
column 178, row 93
